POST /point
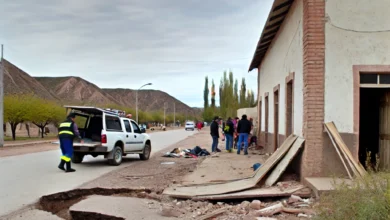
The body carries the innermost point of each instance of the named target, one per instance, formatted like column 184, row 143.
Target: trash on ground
column 187, row 153
column 256, row 166
column 167, row 163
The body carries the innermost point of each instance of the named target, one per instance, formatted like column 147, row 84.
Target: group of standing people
column 231, row 129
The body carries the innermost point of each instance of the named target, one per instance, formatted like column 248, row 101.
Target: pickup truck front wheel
column 77, row 158
column 117, row 152
column 146, row 154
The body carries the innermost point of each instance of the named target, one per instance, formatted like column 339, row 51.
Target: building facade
column 320, row 61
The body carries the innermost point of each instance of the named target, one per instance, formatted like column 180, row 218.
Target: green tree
column 212, row 94
column 158, row 117
column 206, row 93
column 236, row 96
column 44, row 113
column 16, row 110
column 243, row 102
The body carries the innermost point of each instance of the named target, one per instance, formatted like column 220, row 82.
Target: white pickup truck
column 105, row 132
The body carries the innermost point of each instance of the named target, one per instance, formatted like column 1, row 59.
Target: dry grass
column 366, row 199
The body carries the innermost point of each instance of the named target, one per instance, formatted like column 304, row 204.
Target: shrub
column 368, row 198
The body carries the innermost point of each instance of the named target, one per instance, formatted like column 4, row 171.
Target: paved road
column 25, row 178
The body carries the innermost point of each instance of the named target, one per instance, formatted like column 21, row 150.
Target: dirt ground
column 148, row 179
column 26, row 149
column 152, row 174
column 224, row 166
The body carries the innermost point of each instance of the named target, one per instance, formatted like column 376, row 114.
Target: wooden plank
column 257, row 193
column 350, row 163
column 274, row 158
column 340, row 143
column 338, row 151
column 213, row 214
column 234, row 186
column 282, row 165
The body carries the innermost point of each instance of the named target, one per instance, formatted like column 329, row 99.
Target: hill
column 16, row 81
column 150, row 100
column 76, row 91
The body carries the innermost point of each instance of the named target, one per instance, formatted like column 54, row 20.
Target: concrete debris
column 271, row 210
column 300, row 215
column 294, row 198
column 265, row 218
column 256, row 204
column 245, row 204
column 169, row 211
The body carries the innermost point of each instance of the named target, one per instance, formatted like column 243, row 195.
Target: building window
column 276, row 117
column 289, row 104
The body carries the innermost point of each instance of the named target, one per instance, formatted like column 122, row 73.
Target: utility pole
column 136, row 100
column 174, row 113
column 2, row 98
column 165, row 108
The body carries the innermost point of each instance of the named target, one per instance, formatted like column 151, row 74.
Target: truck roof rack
column 94, row 110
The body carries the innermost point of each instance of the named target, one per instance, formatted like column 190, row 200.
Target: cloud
column 121, row 43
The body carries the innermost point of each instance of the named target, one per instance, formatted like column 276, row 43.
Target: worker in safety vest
column 67, row 131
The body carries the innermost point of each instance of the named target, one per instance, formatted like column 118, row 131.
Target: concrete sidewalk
column 27, row 142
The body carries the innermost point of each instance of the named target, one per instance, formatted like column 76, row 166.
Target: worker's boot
column 62, row 164
column 69, row 168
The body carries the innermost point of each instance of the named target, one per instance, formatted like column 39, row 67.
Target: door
column 138, row 136
column 130, row 140
column 384, row 129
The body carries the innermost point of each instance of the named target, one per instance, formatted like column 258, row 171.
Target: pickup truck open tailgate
column 89, row 147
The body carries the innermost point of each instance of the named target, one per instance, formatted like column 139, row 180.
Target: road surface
column 25, row 178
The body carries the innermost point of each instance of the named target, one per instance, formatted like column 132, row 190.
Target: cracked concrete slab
column 33, row 214
column 117, row 208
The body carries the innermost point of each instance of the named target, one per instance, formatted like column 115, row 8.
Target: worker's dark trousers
column 66, row 145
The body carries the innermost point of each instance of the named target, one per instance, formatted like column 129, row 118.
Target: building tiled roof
column 278, row 13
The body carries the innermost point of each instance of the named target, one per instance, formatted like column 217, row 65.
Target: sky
column 173, row 44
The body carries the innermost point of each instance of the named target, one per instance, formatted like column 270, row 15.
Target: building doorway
column 374, row 122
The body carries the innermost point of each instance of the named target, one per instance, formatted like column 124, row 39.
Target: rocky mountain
column 17, row 81
column 77, row 91
column 150, row 100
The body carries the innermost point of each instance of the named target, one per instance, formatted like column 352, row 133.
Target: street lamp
column 136, row 99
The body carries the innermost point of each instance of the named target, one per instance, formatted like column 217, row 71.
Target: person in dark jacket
column 67, row 131
column 229, row 131
column 214, row 132
column 243, row 128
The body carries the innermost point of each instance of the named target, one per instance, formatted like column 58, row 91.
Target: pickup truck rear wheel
column 77, row 157
column 146, row 154
column 117, row 152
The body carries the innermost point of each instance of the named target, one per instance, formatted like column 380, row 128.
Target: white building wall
column 357, row 32
column 284, row 56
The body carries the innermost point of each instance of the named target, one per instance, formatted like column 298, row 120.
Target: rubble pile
column 248, row 209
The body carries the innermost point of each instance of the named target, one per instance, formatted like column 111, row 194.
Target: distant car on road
column 107, row 133
column 190, row 125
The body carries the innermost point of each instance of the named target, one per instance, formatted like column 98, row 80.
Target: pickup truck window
column 135, row 127
column 113, row 123
column 127, row 126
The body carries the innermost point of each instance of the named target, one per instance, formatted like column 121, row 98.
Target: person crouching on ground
column 229, row 131
column 243, row 129
column 214, row 132
column 67, row 131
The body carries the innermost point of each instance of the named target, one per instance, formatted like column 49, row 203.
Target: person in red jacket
column 199, row 125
